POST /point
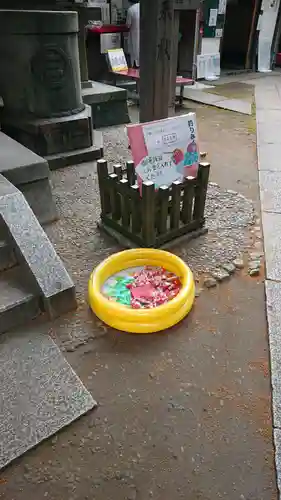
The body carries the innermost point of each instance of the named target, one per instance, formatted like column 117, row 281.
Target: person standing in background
column 133, row 23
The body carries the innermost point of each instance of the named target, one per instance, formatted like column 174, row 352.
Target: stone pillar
column 40, row 83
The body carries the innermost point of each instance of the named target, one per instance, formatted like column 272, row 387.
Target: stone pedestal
column 48, row 136
column 40, row 83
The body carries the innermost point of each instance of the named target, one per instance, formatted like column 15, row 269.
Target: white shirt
column 133, row 22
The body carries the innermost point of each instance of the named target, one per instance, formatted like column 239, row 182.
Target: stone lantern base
column 41, row 86
column 62, row 141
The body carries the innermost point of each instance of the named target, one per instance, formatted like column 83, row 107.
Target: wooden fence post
column 163, row 195
column 102, row 170
column 131, row 173
column 176, row 204
column 174, row 61
column 148, row 213
column 187, row 204
column 125, row 206
column 117, row 169
column 201, row 190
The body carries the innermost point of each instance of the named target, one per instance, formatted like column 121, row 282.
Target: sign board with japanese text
column 117, row 60
column 165, row 151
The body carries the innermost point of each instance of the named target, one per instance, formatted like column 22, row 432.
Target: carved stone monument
column 41, row 86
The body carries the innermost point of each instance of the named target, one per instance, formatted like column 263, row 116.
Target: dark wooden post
column 174, row 61
column 102, row 169
column 201, row 190
column 156, row 33
column 148, row 213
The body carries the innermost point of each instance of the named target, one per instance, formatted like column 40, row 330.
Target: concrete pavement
column 268, row 116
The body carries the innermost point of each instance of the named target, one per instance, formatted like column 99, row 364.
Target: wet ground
column 182, row 414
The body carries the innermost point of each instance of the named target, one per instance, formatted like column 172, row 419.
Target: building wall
column 241, row 20
column 212, row 27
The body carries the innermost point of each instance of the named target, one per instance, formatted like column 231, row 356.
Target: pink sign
column 165, row 151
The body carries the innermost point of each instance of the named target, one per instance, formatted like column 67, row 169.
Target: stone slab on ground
column 40, row 393
column 267, row 98
column 268, row 115
column 272, row 244
column 277, row 439
column 269, row 132
column 268, row 109
column 35, row 251
column 269, row 157
column 236, row 105
column 270, row 191
column 273, row 296
column 201, row 96
column 218, row 101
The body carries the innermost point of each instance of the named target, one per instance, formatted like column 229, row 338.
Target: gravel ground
column 183, row 414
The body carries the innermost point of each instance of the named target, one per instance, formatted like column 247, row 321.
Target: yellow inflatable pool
column 131, row 320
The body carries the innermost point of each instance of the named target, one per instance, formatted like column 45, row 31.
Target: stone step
column 35, row 253
column 7, row 256
column 18, row 304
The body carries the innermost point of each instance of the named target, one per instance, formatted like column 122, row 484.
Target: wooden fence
column 158, row 216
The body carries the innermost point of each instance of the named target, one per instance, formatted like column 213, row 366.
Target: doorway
column 186, row 48
column 239, row 34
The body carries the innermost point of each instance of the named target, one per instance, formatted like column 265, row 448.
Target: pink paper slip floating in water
column 143, row 292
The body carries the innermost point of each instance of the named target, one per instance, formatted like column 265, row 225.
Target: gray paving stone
column 270, row 191
column 268, row 115
column 236, row 105
column 272, row 244
column 35, row 251
column 200, row 96
column 273, row 297
column 40, row 393
column 269, row 132
column 277, row 442
column 269, row 157
column 219, row 101
column 267, row 98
